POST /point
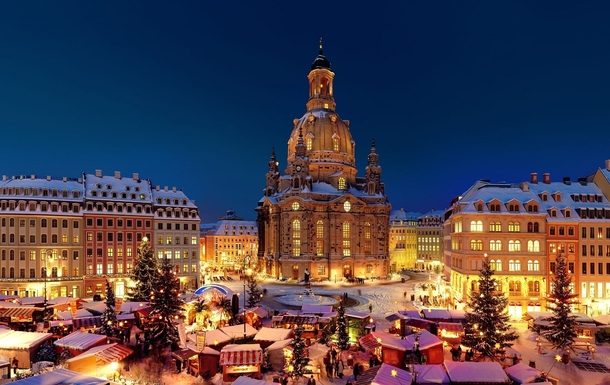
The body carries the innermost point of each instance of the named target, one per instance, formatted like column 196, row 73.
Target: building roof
column 11, row 339
column 106, row 353
column 247, row 354
column 79, row 340
column 476, row 372
column 384, row 374
column 61, row 377
column 272, row 334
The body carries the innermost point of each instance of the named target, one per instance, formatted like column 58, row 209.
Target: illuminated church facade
column 319, row 217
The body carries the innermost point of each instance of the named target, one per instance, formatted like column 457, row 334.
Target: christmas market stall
column 451, row 332
column 16, row 315
column 215, row 339
column 267, row 336
column 357, row 323
column 240, row 360
column 22, row 345
column 277, row 353
column 236, row 332
column 415, row 325
column 103, row 359
column 476, row 373
column 436, row 315
column 310, row 324
column 429, row 345
column 87, row 323
column 78, row 342
column 62, row 377
column 386, row 347
column 522, row 373
column 395, row 320
column 203, row 363
column 430, row 375
column 384, row 374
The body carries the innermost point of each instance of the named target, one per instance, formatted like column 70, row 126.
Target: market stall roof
column 357, row 314
column 431, row 374
column 280, row 344
column 522, row 373
column 384, row 374
column 184, row 354
column 206, row 350
column 603, row 319
column 213, row 337
column 61, row 377
column 21, row 311
column 245, row 380
column 237, row 331
column 11, row 339
column 386, row 340
column 79, row 340
column 395, row 316
column 411, row 313
column 130, row 307
column 272, row 334
column 123, row 317
column 64, row 301
column 258, row 311
column 419, row 323
column 451, row 326
column 31, row 301
column 457, row 315
column 247, row 354
column 80, row 313
column 145, row 311
column 96, row 307
column 106, row 353
column 436, row 314
column 87, row 322
column 300, row 320
column 426, row 340
column 477, row 372
column 60, row 323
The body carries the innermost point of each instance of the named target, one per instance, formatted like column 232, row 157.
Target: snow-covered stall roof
column 244, row 380
column 79, row 340
column 477, row 372
column 316, row 309
column 65, row 301
column 80, row 313
column 262, row 313
column 130, row 307
column 247, row 354
column 30, row 301
column 212, row 337
column 395, row 316
column 431, row 374
column 522, row 373
column 280, row 344
column 107, row 353
column 11, row 339
column 95, row 307
column 384, row 374
column 426, row 340
column 436, row 314
column 411, row 313
column 61, row 377
column 357, row 314
column 386, row 340
column 20, row 311
column 272, row 334
column 237, row 331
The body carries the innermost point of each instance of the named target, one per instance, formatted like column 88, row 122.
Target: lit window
column 296, row 238
column 341, row 185
column 295, row 205
column 347, row 206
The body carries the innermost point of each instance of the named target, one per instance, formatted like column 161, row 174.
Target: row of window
column 44, row 239
column 45, row 192
column 513, row 245
column 514, row 265
column 176, row 226
column 99, row 222
column 513, row 208
column 176, row 240
column 595, row 290
column 100, row 268
column 513, row 227
column 54, row 273
column 43, row 223
column 595, row 232
column 602, row 250
column 41, row 206
column 591, row 268
column 33, row 255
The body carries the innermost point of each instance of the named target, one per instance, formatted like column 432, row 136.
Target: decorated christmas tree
column 562, row 327
column 108, row 317
column 167, row 307
column 254, row 291
column 144, row 273
column 300, row 359
column 486, row 329
column 342, row 333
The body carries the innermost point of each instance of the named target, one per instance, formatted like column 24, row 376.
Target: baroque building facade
column 403, row 240
column 319, row 216
column 66, row 236
column 429, row 232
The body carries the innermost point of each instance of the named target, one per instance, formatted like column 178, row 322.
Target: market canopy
column 11, row 339
column 384, row 374
column 106, row 353
column 21, row 311
column 476, row 372
column 80, row 340
column 248, row 354
column 272, row 334
column 236, row 332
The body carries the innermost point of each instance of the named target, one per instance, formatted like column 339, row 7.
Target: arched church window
column 341, row 185
column 308, row 143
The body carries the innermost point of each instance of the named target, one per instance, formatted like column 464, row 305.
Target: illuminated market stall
column 240, row 360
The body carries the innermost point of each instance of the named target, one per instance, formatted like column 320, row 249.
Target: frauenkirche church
column 319, row 217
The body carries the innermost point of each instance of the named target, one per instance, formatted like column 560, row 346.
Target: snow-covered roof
column 11, row 339
column 522, row 373
column 30, row 301
column 272, row 334
column 212, row 337
column 79, row 340
column 426, row 340
column 80, row 313
column 431, row 374
column 171, row 197
column 436, row 314
column 234, row 227
column 107, row 353
column 61, row 377
column 237, row 331
column 59, row 189
column 245, row 380
column 135, row 189
column 477, row 372
column 279, row 344
column 316, row 309
column 385, row 374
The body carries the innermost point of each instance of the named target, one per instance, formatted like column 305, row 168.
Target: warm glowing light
column 557, row 358
column 114, row 366
column 394, row 373
column 145, row 239
column 378, row 340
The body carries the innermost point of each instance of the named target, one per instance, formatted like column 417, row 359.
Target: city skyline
column 196, row 94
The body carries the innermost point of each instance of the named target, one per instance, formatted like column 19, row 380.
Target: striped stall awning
column 451, row 327
column 113, row 353
column 249, row 354
column 300, row 320
column 145, row 311
column 87, row 322
column 20, row 311
column 369, row 342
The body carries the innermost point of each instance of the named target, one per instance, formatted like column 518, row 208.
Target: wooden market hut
column 414, row 325
column 429, row 345
column 357, row 324
column 267, row 336
column 78, row 342
column 97, row 359
column 204, row 363
column 388, row 348
column 309, row 323
column 431, row 375
column 215, row 339
column 451, row 332
column 277, row 354
column 476, row 373
column 22, row 345
column 241, row 360
column 384, row 374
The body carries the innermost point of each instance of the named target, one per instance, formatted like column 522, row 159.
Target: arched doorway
column 347, row 271
column 295, row 272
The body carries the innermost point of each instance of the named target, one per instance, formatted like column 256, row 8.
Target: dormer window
column 308, row 143
column 341, row 184
column 99, row 185
column 159, row 201
column 127, row 188
column 93, row 193
column 137, row 189
column 335, row 142
column 544, row 197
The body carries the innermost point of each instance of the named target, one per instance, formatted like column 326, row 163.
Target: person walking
column 15, row 364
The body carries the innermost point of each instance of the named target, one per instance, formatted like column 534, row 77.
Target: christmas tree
column 167, row 307
column 254, row 292
column 108, row 317
column 342, row 333
column 486, row 329
column 562, row 327
column 300, row 359
column 143, row 273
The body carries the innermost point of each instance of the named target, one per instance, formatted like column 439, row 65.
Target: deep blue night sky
column 194, row 94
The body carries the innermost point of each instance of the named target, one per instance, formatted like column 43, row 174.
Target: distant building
column 231, row 244
column 429, row 231
column 320, row 215
column 403, row 240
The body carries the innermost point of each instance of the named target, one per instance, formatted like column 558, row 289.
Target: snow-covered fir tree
column 108, row 317
column 562, row 327
column 254, row 292
column 486, row 329
column 166, row 306
column 143, row 273
column 300, row 359
column 46, row 352
column 342, row 333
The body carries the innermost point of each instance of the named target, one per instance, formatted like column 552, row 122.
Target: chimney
column 566, row 180
column 33, row 177
column 174, row 189
column 534, row 178
column 157, row 187
column 98, row 173
column 582, row 181
column 48, row 177
column 117, row 174
column 525, row 186
column 65, row 178
column 4, row 177
column 136, row 176
column 608, row 164
column 546, row 178
column 165, row 188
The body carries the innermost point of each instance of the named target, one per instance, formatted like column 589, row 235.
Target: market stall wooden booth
column 241, row 360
